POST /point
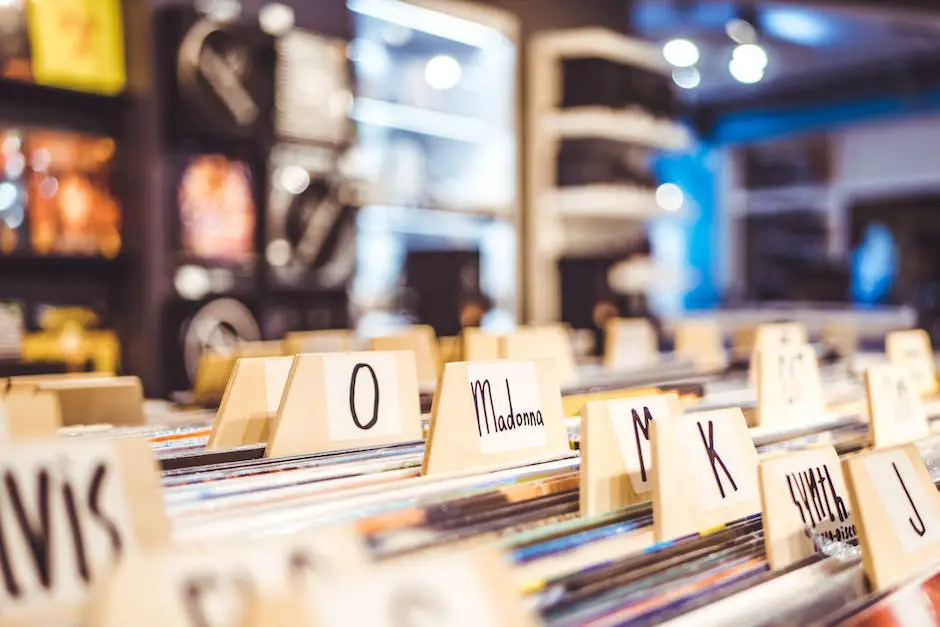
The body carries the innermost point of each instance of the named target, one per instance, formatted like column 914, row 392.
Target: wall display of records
column 191, row 328
column 311, row 220
column 219, row 77
column 55, row 194
column 313, row 94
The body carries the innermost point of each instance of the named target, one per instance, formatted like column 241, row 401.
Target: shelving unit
column 561, row 219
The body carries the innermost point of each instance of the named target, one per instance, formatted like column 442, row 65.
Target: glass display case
column 435, row 112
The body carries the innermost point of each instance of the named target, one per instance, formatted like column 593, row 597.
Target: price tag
column 495, row 413
column 896, row 412
column 789, row 388
column 803, row 490
column 250, row 402
column 705, row 472
column 69, row 511
column 897, row 509
column 78, row 44
column 630, row 344
column 348, row 400
column 616, row 460
column 911, row 350
column 463, row 588
column 210, row 586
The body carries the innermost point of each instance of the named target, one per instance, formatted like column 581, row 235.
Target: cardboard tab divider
column 705, row 472
column 448, row 587
column 777, row 334
column 702, row 342
column 912, row 351
column 420, row 340
column 630, row 344
column 495, row 413
column 897, row 512
column 250, row 402
column 544, row 342
column 327, row 341
column 215, row 367
column 342, row 401
column 896, row 412
column 789, row 387
column 116, row 401
column 217, row 584
column 30, row 414
column 478, row 345
column 111, row 487
column 803, row 490
column 616, row 459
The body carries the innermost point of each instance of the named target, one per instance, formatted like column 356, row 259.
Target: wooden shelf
column 625, row 126
column 23, row 102
column 60, row 267
column 603, row 201
column 602, row 43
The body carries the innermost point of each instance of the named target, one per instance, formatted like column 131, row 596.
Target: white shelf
column 618, row 202
column 424, row 121
column 626, row 126
column 603, row 43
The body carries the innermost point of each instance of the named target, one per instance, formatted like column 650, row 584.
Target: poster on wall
column 14, row 41
column 78, row 44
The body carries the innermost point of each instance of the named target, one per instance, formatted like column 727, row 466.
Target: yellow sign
column 78, row 44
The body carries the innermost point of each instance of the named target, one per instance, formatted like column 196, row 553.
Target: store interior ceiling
column 812, row 50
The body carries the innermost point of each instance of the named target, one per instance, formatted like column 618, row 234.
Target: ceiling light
column 669, row 197
column 745, row 72
column 750, row 55
column 687, row 77
column 681, row 52
column 442, row 72
column 741, row 31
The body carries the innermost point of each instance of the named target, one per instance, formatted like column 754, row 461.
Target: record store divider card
column 789, row 388
column 250, row 402
column 496, row 413
column 78, row 44
column 343, row 401
column 616, row 460
column 422, row 341
column 28, row 414
column 799, row 491
column 210, row 585
column 630, row 344
column 896, row 413
column 897, row 512
column 779, row 334
column 912, row 351
column 68, row 512
column 705, row 472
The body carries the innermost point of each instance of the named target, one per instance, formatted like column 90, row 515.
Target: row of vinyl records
column 796, row 495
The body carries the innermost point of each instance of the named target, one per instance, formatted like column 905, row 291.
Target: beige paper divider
column 250, row 402
column 214, row 368
column 37, row 379
column 842, row 337
column 115, row 487
column 422, row 341
column 342, row 401
column 328, row 341
column 278, row 610
column 775, row 334
column 705, row 472
column 478, row 345
column 897, row 512
column 117, row 401
column 545, row 342
column 896, row 413
column 216, row 584
column 471, row 582
column 912, row 351
column 469, row 427
column 616, row 459
column 789, row 388
column 701, row 342
column 799, row 490
column 630, row 343
column 31, row 414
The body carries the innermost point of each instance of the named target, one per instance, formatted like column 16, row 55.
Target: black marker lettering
column 796, row 501
column 10, row 584
column 641, row 426
column 75, row 527
column 352, row 397
column 38, row 536
column 484, row 389
column 194, row 592
column 841, row 509
column 714, row 458
column 814, row 496
column 919, row 527
column 413, row 607
column 94, row 506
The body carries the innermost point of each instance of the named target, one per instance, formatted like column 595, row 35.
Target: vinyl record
column 311, row 225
